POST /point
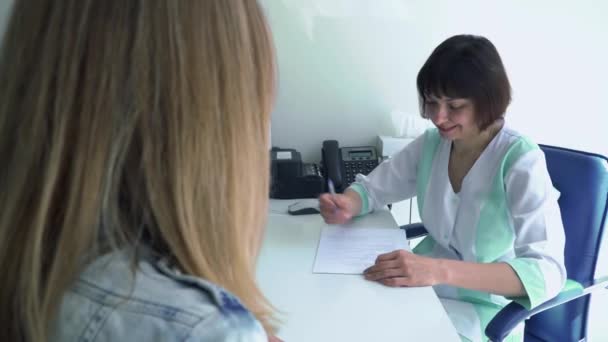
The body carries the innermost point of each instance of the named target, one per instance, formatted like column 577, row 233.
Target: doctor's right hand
column 339, row 208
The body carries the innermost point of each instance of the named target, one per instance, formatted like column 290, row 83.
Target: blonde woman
column 133, row 145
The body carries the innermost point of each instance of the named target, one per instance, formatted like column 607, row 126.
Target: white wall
column 345, row 65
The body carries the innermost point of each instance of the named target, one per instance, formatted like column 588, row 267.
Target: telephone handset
column 331, row 163
column 341, row 165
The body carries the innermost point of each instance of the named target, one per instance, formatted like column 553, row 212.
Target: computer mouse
column 304, row 207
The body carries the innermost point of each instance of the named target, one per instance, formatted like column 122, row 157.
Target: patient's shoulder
column 116, row 299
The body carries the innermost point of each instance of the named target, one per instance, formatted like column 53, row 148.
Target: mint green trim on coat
column 572, row 285
column 532, row 278
column 495, row 234
column 425, row 247
column 477, row 297
column 360, row 189
column 423, row 173
column 520, row 147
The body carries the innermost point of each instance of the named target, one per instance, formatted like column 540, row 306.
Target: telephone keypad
column 352, row 168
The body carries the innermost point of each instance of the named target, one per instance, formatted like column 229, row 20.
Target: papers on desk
column 349, row 250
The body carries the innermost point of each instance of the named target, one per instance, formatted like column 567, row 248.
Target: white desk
column 334, row 307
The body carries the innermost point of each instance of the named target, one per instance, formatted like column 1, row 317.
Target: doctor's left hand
column 403, row 268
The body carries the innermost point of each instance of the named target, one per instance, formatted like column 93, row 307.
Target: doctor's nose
column 441, row 115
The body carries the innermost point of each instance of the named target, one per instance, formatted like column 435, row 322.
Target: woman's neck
column 477, row 143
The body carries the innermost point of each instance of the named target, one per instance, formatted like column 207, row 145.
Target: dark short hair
column 467, row 66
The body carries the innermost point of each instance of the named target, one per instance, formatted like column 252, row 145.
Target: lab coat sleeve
column 392, row 181
column 539, row 233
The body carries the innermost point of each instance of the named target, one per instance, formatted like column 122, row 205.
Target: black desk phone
column 341, row 165
column 291, row 178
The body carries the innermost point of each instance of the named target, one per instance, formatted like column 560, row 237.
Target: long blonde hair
column 129, row 120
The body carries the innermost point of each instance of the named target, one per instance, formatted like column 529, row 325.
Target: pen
column 330, row 185
column 332, row 191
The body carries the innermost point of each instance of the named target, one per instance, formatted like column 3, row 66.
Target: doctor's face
column 454, row 117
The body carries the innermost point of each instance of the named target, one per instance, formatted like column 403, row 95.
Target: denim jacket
column 108, row 302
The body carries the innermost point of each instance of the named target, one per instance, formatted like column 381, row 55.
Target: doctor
column 483, row 191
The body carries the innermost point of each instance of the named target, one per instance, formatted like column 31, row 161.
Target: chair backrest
column 582, row 179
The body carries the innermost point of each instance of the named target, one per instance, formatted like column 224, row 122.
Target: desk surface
column 336, row 307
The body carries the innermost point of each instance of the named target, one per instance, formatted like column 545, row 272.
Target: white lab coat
column 505, row 211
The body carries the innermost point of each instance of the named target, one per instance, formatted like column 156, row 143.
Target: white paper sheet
column 349, row 250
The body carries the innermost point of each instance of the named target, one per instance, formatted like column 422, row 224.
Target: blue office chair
column 582, row 179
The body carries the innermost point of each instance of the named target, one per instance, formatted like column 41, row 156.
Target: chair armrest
column 414, row 230
column 511, row 315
